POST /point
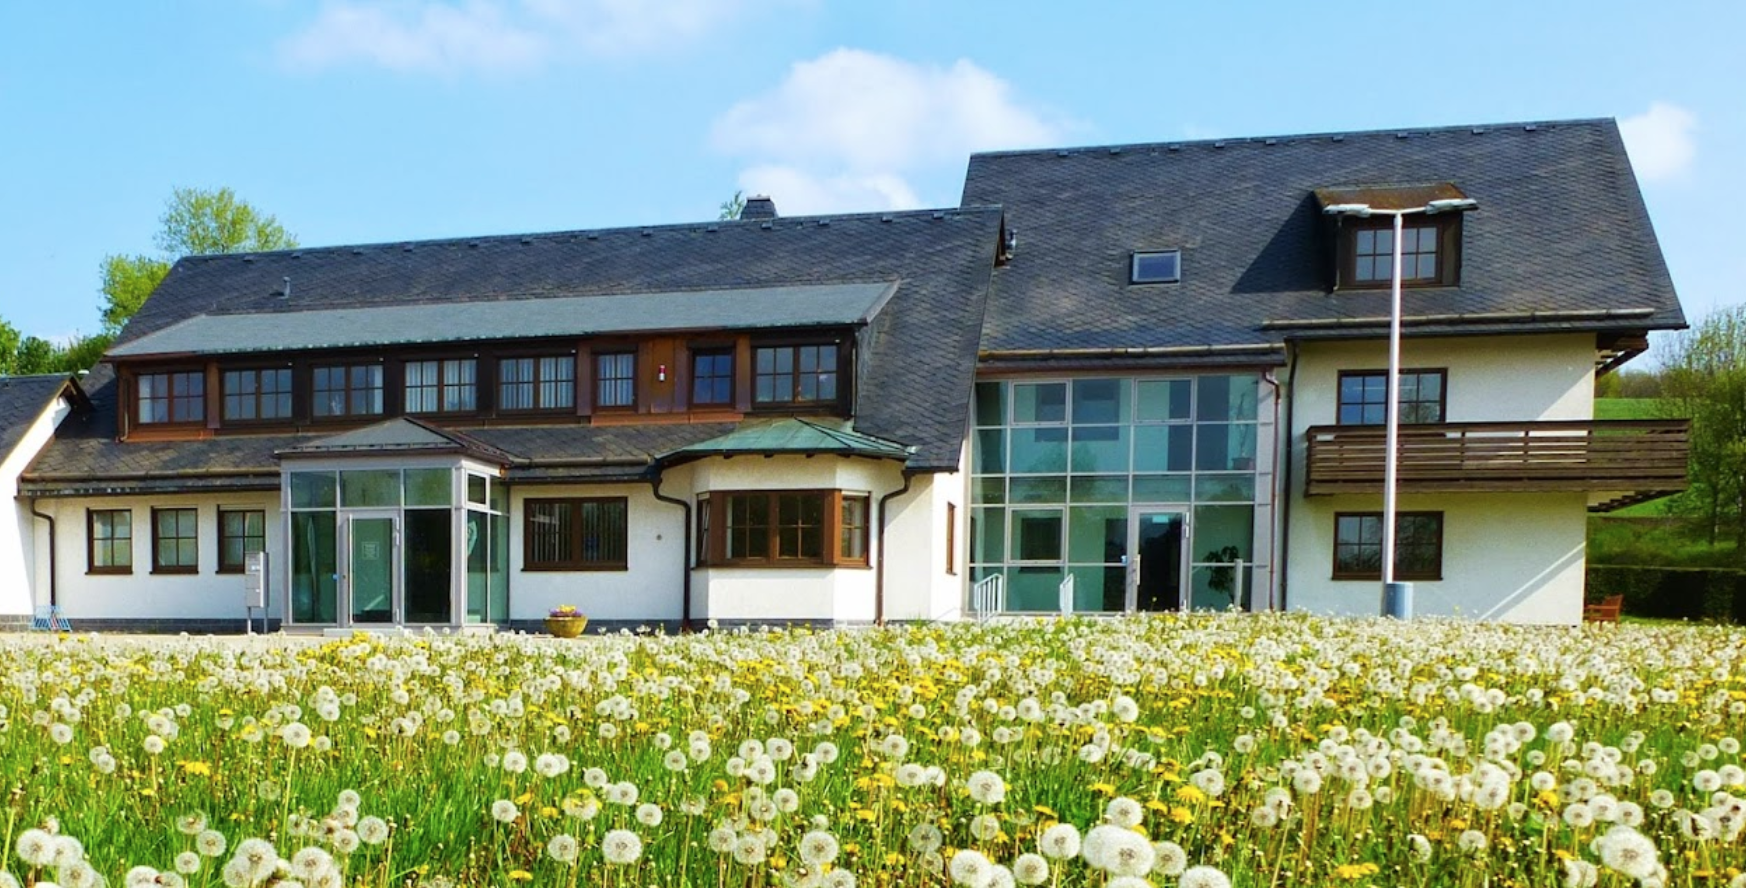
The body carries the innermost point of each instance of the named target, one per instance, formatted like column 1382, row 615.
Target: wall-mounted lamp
column 660, row 372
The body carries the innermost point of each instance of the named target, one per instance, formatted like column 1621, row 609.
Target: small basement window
column 1156, row 267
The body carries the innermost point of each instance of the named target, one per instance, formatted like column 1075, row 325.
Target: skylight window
column 1156, row 267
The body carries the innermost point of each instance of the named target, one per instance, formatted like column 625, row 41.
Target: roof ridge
column 881, row 216
column 1241, row 140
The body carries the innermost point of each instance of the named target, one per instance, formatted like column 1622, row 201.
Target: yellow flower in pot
column 564, row 621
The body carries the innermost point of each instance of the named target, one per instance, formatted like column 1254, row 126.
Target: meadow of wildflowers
column 1201, row 751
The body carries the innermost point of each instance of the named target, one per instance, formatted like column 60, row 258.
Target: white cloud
column 798, row 192
column 1660, row 140
column 870, row 111
column 454, row 36
column 848, row 129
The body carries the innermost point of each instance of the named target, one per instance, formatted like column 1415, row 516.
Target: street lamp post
column 1397, row 598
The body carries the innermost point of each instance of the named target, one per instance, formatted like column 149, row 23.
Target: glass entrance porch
column 422, row 545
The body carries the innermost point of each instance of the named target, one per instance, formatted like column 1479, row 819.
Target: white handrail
column 988, row 596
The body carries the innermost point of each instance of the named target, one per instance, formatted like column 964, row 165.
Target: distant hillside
column 1628, row 408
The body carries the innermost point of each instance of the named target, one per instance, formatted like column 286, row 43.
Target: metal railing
column 988, row 597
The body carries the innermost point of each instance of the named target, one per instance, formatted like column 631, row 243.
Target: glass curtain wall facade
column 1075, row 477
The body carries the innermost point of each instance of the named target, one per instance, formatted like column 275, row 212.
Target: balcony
column 1617, row 462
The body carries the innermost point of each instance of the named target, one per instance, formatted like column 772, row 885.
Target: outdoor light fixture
column 1397, row 598
column 660, row 372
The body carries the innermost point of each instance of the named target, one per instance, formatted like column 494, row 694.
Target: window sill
column 109, row 572
column 574, row 568
column 1377, row 578
column 175, row 571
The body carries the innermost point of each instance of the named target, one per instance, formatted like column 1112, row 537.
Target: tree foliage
column 196, row 221
column 127, row 281
column 733, row 206
column 1705, row 379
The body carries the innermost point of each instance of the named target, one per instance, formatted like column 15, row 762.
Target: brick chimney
column 759, row 206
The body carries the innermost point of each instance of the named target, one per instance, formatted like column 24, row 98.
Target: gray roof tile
column 1561, row 228
column 914, row 381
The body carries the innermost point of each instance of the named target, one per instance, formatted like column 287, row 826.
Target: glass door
column 372, row 568
column 1157, row 569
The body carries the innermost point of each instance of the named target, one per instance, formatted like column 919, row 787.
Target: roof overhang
column 1389, row 197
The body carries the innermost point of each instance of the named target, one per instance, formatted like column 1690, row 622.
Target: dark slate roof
column 813, row 305
column 1561, row 239
column 22, row 401
column 913, row 382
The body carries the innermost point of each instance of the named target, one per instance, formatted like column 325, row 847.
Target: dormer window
column 1361, row 221
column 1373, row 255
column 1428, row 249
column 1155, row 267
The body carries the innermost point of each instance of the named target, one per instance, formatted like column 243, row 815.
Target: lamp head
column 1451, row 205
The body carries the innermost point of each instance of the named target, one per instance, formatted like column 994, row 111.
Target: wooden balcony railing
column 1622, row 461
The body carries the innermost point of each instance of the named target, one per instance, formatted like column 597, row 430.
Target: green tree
column 36, row 355
column 1705, row 379
column 733, row 206
column 196, row 221
column 127, row 281
column 8, row 349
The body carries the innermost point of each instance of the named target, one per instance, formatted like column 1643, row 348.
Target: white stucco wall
column 839, row 594
column 141, row 594
column 1517, row 557
column 917, row 585
column 18, row 595
column 1507, row 556
column 650, row 589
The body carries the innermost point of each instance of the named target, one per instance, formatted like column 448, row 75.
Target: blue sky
column 385, row 120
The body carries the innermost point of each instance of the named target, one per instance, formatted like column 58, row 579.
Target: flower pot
column 566, row 627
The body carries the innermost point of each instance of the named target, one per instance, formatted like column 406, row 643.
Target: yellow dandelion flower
column 520, row 876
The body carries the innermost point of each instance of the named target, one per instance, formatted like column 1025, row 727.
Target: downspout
column 879, row 569
column 1285, row 483
column 53, row 599
column 684, row 559
column 1273, row 495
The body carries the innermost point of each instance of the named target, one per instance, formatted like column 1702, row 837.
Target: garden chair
column 1605, row 611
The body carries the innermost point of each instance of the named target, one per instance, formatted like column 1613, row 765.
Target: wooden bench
column 1605, row 611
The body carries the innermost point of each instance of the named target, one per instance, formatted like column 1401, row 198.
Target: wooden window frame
column 256, row 397
column 158, row 567
column 91, row 565
column 348, row 414
column 699, row 353
column 1442, row 393
column 580, row 562
column 830, row 530
column 1448, row 228
column 704, row 538
column 596, row 379
column 1433, row 574
column 441, row 387
column 537, row 383
column 170, row 399
column 794, row 374
column 226, row 567
column 952, row 539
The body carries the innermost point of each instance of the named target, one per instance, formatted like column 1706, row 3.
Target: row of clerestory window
column 800, row 375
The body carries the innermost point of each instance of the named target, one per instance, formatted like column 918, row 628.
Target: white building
column 1165, row 394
